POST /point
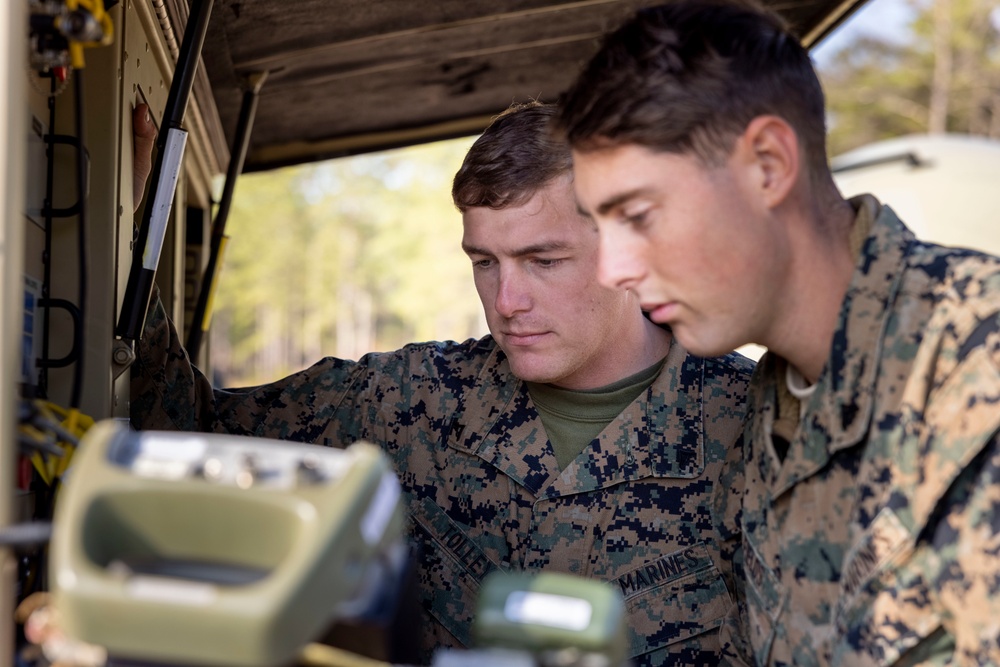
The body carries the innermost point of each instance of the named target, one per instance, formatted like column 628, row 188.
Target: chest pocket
column 675, row 598
column 452, row 569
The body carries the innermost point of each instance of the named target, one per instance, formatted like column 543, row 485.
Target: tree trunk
column 937, row 118
column 995, row 117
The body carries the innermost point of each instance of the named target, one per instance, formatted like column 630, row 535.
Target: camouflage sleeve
column 923, row 586
column 941, row 605
column 169, row 393
column 391, row 398
column 728, row 509
column 967, row 579
column 965, row 541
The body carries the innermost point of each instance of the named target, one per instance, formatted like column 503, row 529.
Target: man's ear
column 771, row 149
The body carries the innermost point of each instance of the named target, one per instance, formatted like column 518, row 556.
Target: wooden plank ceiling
column 349, row 76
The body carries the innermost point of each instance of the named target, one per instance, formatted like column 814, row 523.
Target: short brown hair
column 515, row 157
column 689, row 76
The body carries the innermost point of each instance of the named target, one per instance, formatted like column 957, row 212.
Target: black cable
column 50, row 153
column 81, row 165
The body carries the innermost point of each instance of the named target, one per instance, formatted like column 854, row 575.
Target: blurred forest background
column 937, row 71
column 342, row 258
column 362, row 254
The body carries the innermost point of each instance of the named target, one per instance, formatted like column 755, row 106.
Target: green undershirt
column 572, row 419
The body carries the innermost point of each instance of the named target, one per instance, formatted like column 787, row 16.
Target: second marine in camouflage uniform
column 481, row 482
column 870, row 525
column 870, row 514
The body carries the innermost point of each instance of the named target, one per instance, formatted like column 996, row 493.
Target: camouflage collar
column 838, row 414
column 660, row 434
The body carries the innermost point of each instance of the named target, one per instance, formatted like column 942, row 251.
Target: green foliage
column 878, row 89
column 341, row 258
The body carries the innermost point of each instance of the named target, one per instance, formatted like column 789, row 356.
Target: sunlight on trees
column 942, row 75
column 342, row 258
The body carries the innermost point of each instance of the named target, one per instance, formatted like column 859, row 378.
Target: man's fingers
column 143, row 139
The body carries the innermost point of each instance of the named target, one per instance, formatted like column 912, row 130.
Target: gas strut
column 203, row 310
column 166, row 170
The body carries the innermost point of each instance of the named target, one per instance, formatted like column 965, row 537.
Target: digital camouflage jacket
column 875, row 541
column 481, row 481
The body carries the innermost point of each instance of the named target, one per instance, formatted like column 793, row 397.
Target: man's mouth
column 661, row 313
column 523, row 339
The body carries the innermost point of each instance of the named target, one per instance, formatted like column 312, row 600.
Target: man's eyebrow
column 582, row 211
column 534, row 249
column 617, row 200
column 540, row 248
column 473, row 250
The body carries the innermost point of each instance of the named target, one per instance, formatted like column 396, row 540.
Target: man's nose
column 512, row 294
column 619, row 266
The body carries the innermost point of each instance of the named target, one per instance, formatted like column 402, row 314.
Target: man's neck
column 820, row 277
column 658, row 340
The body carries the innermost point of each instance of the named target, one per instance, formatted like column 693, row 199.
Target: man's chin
column 534, row 376
column 701, row 346
column 531, row 372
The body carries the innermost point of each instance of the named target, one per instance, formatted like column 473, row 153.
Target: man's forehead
column 592, row 169
column 610, row 177
column 516, row 232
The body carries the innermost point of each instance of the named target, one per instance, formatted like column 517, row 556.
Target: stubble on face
column 535, row 273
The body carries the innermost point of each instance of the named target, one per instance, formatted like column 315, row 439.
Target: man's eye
column 546, row 263
column 482, row 263
column 636, row 219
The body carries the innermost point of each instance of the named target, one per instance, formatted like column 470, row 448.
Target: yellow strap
column 43, row 471
column 51, row 468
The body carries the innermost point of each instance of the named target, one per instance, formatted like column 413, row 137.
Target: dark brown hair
column 515, row 157
column 689, row 76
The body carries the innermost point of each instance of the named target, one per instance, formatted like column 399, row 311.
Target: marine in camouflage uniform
column 480, row 477
column 870, row 523
column 870, row 509
column 481, row 481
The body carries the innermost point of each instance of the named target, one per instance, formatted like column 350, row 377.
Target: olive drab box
column 212, row 549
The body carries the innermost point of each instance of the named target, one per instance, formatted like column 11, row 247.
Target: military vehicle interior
column 277, row 83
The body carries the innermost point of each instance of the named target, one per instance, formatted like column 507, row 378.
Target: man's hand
column 143, row 139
